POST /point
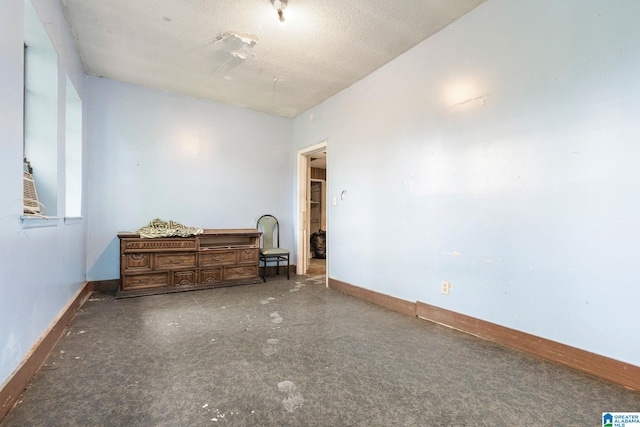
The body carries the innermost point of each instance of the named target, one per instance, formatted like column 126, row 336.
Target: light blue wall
column 500, row 155
column 154, row 154
column 41, row 269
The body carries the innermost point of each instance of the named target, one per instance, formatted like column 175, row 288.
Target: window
column 41, row 108
column 73, row 153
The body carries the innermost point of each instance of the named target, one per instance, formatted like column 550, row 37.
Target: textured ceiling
column 237, row 52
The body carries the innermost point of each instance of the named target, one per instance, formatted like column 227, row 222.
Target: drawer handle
column 137, row 257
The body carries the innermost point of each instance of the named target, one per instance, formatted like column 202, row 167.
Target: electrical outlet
column 445, row 287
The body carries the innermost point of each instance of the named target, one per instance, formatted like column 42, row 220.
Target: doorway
column 312, row 211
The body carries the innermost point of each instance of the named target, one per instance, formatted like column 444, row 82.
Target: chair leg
column 277, row 260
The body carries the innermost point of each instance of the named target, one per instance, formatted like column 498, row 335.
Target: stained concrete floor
column 294, row 353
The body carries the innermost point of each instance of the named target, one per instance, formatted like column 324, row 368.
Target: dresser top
column 207, row 232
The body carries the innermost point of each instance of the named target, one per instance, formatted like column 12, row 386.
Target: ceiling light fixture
column 280, row 6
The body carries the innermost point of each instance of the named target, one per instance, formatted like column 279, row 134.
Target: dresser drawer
column 184, row 278
column 210, row 275
column 216, row 257
column 175, row 261
column 142, row 281
column 248, row 255
column 240, row 272
column 157, row 245
column 136, row 262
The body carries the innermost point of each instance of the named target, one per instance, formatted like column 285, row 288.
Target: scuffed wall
column 499, row 156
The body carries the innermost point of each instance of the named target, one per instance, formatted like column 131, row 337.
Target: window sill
column 29, row 221
column 73, row 219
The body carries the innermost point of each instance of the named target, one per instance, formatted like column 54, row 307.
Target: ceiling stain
column 189, row 46
column 237, row 45
column 230, row 50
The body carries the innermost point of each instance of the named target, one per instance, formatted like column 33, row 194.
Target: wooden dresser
column 215, row 258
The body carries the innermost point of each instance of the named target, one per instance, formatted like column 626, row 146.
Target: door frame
column 303, row 207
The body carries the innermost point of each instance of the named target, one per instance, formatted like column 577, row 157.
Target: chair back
column 268, row 224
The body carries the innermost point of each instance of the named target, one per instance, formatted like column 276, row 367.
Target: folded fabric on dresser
column 161, row 228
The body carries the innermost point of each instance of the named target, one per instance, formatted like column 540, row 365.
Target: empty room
column 366, row 213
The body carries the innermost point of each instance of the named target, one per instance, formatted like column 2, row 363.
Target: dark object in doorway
column 318, row 244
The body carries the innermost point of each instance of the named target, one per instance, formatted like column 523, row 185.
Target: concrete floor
column 294, row 353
